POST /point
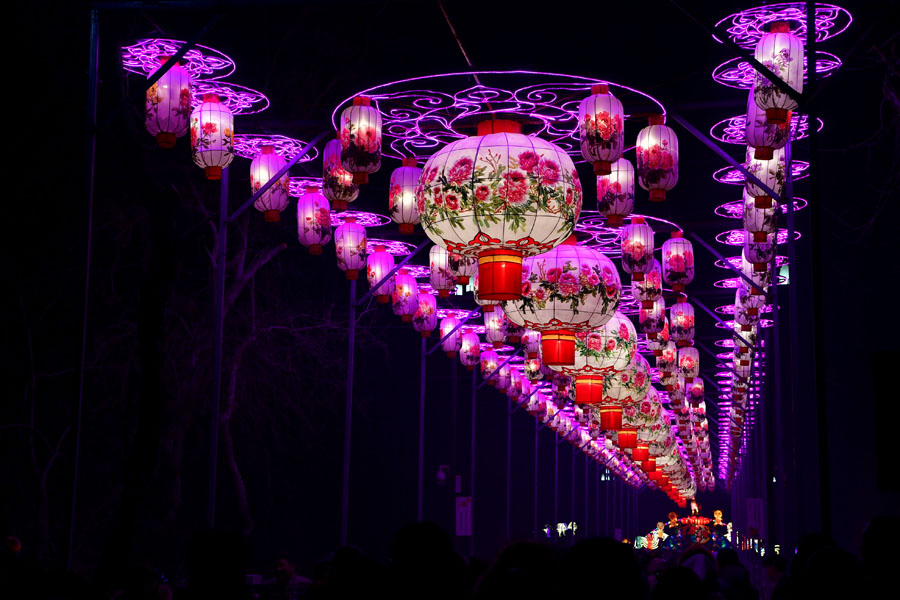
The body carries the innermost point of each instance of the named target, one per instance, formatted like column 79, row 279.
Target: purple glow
column 202, row 62
column 608, row 240
column 392, row 247
column 728, row 309
column 738, row 73
column 418, row 271
column 735, row 262
column 240, row 100
column 735, row 209
column 746, row 27
column 731, row 324
column 479, row 329
column 486, row 346
column 418, row 121
column 460, row 314
column 298, row 185
column 733, row 130
column 736, row 237
column 366, row 219
column 248, row 145
column 732, row 176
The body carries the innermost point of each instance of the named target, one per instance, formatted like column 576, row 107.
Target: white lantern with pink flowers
column 637, row 248
column 402, row 195
column 462, row 267
column 490, row 360
column 651, row 321
column 361, row 139
column 661, row 341
column 615, row 192
column 425, row 317
column 649, row 289
column 441, row 278
column 601, row 127
column 313, row 220
column 337, row 182
column 405, row 297
column 782, row 53
column 167, row 105
column 689, row 363
column 495, row 328
column 470, row 350
column 378, row 265
column 350, row 246
column 451, row 336
column 657, row 158
column 531, row 339
column 678, row 261
column 212, row 136
column 264, row 167
column 762, row 136
column 681, row 323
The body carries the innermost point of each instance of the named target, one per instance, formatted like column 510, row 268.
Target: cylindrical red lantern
column 361, row 139
column 657, row 158
column 167, row 105
column 212, row 136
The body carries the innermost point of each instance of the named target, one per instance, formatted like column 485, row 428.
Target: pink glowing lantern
column 623, row 393
column 263, row 168
column 405, row 297
column 503, row 377
column 527, row 194
column 313, row 220
column 361, row 139
column 425, row 317
column 657, row 158
column 689, row 363
column 637, row 248
column 747, row 307
column 337, row 182
column 378, row 265
column 760, row 254
column 441, row 278
column 568, row 289
column 489, row 363
column 495, row 328
column 470, row 350
column 651, row 321
column 649, row 289
column 350, row 247
column 615, row 193
column 762, row 136
column 212, row 136
column 532, row 341
column 601, row 125
column 661, row 341
column 462, row 267
column 681, row 323
column 533, row 369
column 167, row 106
column 771, row 172
column 759, row 222
column 451, row 341
column 782, row 53
column 402, row 195
column 677, row 261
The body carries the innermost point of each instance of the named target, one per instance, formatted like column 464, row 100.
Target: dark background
column 148, row 360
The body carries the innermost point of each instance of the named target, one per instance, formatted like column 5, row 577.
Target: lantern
column 441, row 278
column 760, row 254
column 489, row 363
column 602, row 129
column 462, row 267
column 451, row 342
column 495, row 328
column 402, row 195
column 746, row 307
column 759, row 222
column 337, row 182
column 637, row 248
column 405, row 298
column 532, row 341
column 499, row 195
column 361, row 139
column 649, row 289
column 681, row 323
column 624, row 392
column 567, row 289
column 689, row 363
column 678, row 261
column 771, row 172
column 503, row 377
column 167, row 105
column 615, row 193
column 745, row 341
column 425, row 317
column 470, row 350
column 761, row 278
column 212, row 136
column 667, row 361
column 275, row 199
column 350, row 247
column 660, row 342
column 378, row 265
column 763, row 136
column 313, row 220
column 782, row 53
column 652, row 320
column 486, row 305
column 695, row 392
column 533, row 369
column 514, row 332
column 657, row 158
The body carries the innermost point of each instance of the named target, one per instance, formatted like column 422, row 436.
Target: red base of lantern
column 406, row 318
column 532, row 355
column 652, row 336
column 746, row 327
column 657, row 353
column 558, row 347
column 753, row 311
column 339, row 205
column 406, row 228
column 684, row 343
column 627, row 438
column 602, row 167
column 462, row 280
column 654, row 475
column 610, row 417
column 450, row 354
column 426, row 334
column 213, row 173
column 443, row 293
column 514, row 339
column 657, row 195
column 351, row 274
column 492, row 382
column 760, row 267
column 760, row 237
column 637, row 276
column 762, row 202
column 647, row 304
column 776, row 116
column 165, row 140
column 589, row 390
column 641, row 452
column 689, row 380
column 315, row 249
column 488, row 308
column 678, row 287
column 764, row 153
column 615, row 220
column 500, row 275
column 648, row 465
column 383, row 298
column 360, row 178
column 497, row 345
column 272, row 216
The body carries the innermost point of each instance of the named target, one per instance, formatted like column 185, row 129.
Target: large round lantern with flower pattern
column 212, row 136
column 361, row 139
column 615, row 193
column 378, row 265
column 350, row 246
column 264, row 167
column 405, row 297
column 568, row 289
column 470, row 350
column 782, row 53
column 402, row 195
column 637, row 248
column 678, row 261
column 601, row 127
column 167, row 105
column 313, row 220
column 657, row 158
column 337, row 182
column 500, row 196
column 425, row 317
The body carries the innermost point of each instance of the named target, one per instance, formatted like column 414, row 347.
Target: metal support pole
column 472, row 465
column 421, row 471
column 572, row 486
column 508, row 469
column 454, row 435
column 598, row 524
column 587, row 498
column 555, row 482
column 537, row 429
column 607, row 531
column 348, row 415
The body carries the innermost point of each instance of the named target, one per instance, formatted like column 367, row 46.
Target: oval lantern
column 657, row 158
column 451, row 338
column 495, row 328
column 695, row 392
column 763, row 136
column 533, row 369
column 212, row 136
column 378, row 265
column 514, row 332
column 405, row 297
column 489, row 363
column 601, row 125
column 532, row 341
column 747, row 307
column 651, row 321
column 264, row 167
column 167, row 105
column 425, row 317
column 402, row 195
column 470, row 350
column 350, row 246
column 499, row 196
column 615, row 193
column 462, row 267
column 313, row 220
column 440, row 276
column 361, row 139
column 649, row 289
column 678, row 261
column 637, row 248
column 770, row 172
column 782, row 53
column 337, row 182
column 681, row 323
column 661, row 341
column 760, row 223
column 689, row 363
column 760, row 254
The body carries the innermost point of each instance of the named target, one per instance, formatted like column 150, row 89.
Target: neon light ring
column 392, row 247
column 736, row 237
column 735, row 209
column 736, row 263
column 202, row 62
column 747, row 26
column 486, row 346
column 733, row 129
column 732, row 176
column 730, row 284
column 240, row 100
column 732, row 325
column 458, row 313
column 738, row 73
column 366, row 219
column 728, row 309
column 298, row 185
column 420, row 115
column 249, row 145
column 418, row 271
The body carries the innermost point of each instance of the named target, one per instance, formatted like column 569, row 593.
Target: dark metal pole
column 606, row 509
column 537, row 430
column 598, row 524
column 421, row 472
column 454, row 433
column 555, row 482
column 572, row 486
column 587, row 498
column 508, row 469
column 472, row 465
column 348, row 415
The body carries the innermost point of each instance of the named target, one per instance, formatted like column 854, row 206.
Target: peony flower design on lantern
column 167, row 105
column 747, row 307
column 678, row 261
column 263, row 168
column 441, row 278
column 489, row 363
column 350, row 247
column 532, row 341
column 212, row 136
column 763, row 136
column 451, row 341
column 681, row 319
column 495, row 328
column 759, row 222
column 657, row 158
column 462, row 267
column 405, row 297
column 361, row 139
column 425, row 317
column 652, row 320
column 622, row 395
column 533, row 369
column 649, row 289
column 637, row 248
column 771, row 172
column 503, row 377
column 567, row 289
column 689, row 363
column 601, row 125
column 615, row 193
column 760, row 254
column 470, row 350
column 781, row 52
column 661, row 341
column 337, row 182
column 402, row 195
column 313, row 220
column 378, row 265
column 499, row 195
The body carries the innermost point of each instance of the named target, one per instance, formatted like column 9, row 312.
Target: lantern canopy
column 402, row 195
column 212, row 136
column 425, row 317
column 451, row 341
column 782, row 53
column 313, row 220
column 405, row 297
column 378, row 265
column 615, row 192
column 499, row 196
column 657, row 158
column 167, row 106
column 441, row 278
column 264, row 167
column 337, row 182
column 678, row 261
column 601, row 125
column 637, row 248
column 361, row 139
column 470, row 350
column 350, row 247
